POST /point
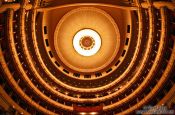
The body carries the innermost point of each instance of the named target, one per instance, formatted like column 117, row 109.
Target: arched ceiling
column 86, row 57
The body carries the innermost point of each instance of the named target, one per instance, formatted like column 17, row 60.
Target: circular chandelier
column 87, row 42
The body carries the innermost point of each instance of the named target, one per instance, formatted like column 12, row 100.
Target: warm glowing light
column 93, row 113
column 92, row 34
column 89, row 113
column 82, row 113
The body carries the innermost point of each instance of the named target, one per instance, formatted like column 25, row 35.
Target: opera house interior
column 87, row 57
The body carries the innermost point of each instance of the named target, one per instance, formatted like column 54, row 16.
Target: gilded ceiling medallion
column 87, row 42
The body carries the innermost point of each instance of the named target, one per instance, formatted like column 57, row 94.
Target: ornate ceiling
column 87, row 57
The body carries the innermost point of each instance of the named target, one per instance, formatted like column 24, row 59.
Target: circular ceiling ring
column 103, row 36
column 87, row 42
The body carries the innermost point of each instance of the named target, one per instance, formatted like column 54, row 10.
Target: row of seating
column 164, row 76
column 36, row 85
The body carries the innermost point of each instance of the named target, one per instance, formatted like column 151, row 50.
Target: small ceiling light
column 93, row 113
column 82, row 113
column 66, row 93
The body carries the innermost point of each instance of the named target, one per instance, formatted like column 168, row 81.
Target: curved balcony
column 34, row 84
